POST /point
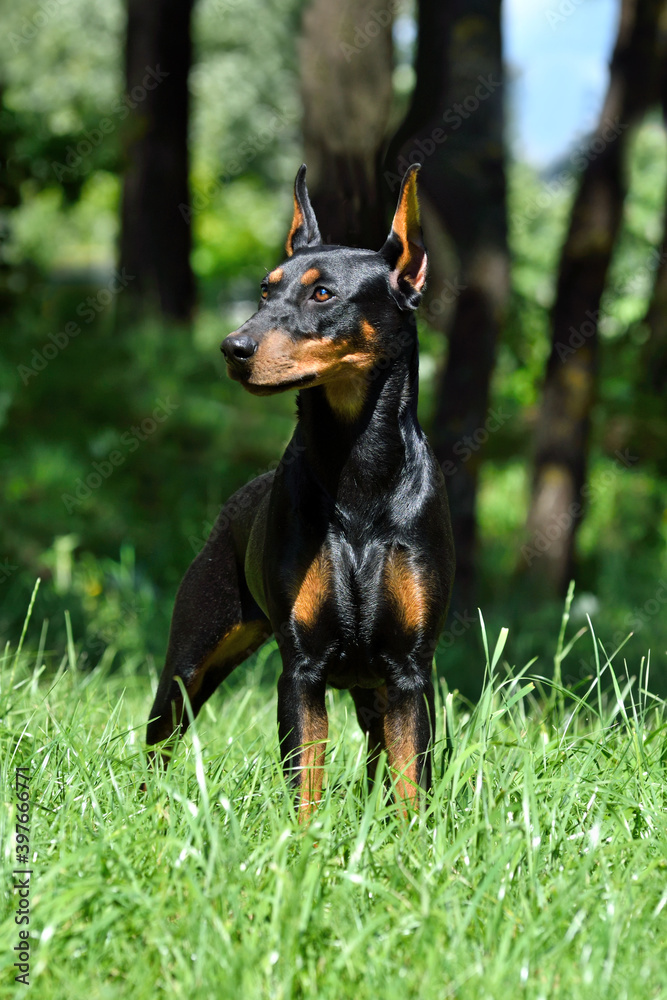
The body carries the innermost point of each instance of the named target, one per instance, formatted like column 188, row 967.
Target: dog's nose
column 238, row 348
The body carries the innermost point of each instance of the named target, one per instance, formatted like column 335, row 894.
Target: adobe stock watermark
column 92, row 138
column 453, row 118
column 404, row 337
column 469, row 444
column 648, row 267
column 245, row 153
column 130, row 440
column 380, row 700
column 579, row 158
column 98, row 641
column 438, row 304
column 31, row 26
column 365, row 33
column 544, row 538
column 634, row 621
column 21, row 875
column 220, row 6
column 458, row 625
column 7, row 569
column 254, row 491
column 561, row 11
column 88, row 309
column 587, row 329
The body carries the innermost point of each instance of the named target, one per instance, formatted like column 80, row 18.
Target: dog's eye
column 321, row 294
column 264, row 292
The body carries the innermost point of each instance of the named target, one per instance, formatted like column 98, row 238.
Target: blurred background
column 147, row 155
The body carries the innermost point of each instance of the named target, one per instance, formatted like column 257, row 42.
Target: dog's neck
column 353, row 455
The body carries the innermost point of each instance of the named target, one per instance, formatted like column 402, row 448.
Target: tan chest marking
column 346, row 397
column 312, row 590
column 406, row 590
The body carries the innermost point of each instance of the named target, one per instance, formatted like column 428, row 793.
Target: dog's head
column 328, row 314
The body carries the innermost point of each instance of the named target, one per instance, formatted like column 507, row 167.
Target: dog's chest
column 368, row 593
column 356, row 577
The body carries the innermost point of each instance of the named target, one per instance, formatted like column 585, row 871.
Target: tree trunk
column 564, row 419
column 455, row 129
column 346, row 87
column 654, row 355
column 156, row 232
column 654, row 361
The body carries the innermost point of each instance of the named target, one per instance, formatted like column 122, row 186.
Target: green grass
column 536, row 869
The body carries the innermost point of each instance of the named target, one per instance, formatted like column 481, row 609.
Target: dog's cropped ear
column 304, row 231
column 404, row 249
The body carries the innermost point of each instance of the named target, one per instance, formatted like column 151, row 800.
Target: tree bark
column 563, row 425
column 455, row 129
column 346, row 88
column 156, row 232
column 654, row 355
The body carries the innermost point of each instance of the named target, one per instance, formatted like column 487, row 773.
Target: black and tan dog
column 345, row 551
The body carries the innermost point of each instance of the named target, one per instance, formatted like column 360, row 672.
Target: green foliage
column 535, row 869
column 61, row 417
column 246, row 108
column 61, row 74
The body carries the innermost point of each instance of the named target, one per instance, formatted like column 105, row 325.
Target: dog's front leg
column 303, row 728
column 407, row 727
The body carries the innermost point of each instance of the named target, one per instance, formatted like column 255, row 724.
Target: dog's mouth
column 244, row 376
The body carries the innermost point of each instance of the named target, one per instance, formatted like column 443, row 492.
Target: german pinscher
column 345, row 551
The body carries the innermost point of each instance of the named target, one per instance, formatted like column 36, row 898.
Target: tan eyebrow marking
column 310, row 276
column 276, row 276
